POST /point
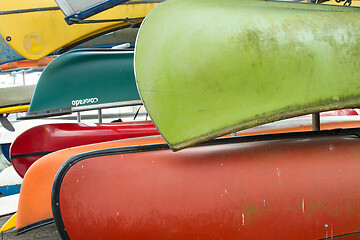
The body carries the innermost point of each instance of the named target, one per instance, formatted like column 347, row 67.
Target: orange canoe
column 26, row 64
column 34, row 209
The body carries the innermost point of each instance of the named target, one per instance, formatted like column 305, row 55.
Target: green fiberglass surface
column 216, row 67
column 86, row 77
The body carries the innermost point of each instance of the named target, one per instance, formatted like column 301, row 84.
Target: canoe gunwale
column 33, row 154
column 90, row 11
column 33, row 226
column 29, row 10
column 260, row 121
column 68, row 164
column 46, row 113
column 70, row 46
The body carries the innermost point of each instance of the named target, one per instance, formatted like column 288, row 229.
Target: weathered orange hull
column 34, row 207
column 27, row 64
column 35, row 195
column 303, row 188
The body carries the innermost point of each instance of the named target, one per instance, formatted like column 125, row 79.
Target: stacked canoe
column 204, row 70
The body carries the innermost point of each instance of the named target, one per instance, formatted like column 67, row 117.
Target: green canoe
column 85, row 79
column 221, row 66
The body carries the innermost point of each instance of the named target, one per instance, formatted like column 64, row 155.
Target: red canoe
column 41, row 140
column 282, row 186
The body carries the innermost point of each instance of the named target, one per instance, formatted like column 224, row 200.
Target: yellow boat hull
column 36, row 34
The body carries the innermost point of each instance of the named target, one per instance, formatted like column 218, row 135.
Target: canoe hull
column 35, row 197
column 5, row 149
column 7, row 137
column 44, row 139
column 110, row 79
column 263, row 62
column 34, row 38
column 276, row 188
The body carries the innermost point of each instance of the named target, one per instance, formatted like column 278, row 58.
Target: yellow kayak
column 36, row 29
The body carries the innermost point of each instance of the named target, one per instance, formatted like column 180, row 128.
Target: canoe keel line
column 87, row 11
column 221, row 189
column 34, row 226
column 30, row 10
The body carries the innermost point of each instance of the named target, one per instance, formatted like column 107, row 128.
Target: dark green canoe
column 215, row 67
column 85, row 79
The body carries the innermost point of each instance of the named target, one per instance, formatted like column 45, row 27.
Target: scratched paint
column 7, row 54
column 303, row 205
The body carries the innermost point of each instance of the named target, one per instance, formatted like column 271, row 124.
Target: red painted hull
column 305, row 188
column 41, row 140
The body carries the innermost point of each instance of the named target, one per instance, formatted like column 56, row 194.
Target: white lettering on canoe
column 84, row 101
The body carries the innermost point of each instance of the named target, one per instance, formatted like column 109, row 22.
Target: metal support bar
column 316, row 121
column 78, row 117
column 97, row 8
column 23, row 75
column 99, row 116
